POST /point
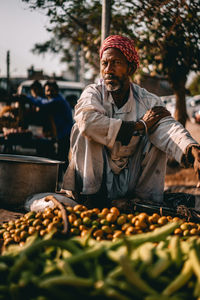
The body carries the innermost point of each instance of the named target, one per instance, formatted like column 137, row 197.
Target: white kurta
column 137, row 169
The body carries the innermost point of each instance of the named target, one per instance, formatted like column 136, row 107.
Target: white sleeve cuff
column 113, row 130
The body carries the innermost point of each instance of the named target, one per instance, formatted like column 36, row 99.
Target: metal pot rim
column 28, row 159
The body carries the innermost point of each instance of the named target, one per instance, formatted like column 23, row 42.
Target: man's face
column 34, row 93
column 115, row 70
column 49, row 92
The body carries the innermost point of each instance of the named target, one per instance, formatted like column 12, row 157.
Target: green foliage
column 169, row 38
column 165, row 32
column 194, row 87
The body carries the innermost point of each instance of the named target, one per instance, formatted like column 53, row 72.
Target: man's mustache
column 110, row 77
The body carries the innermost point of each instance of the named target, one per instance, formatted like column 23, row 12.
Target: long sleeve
column 169, row 136
column 172, row 138
column 92, row 119
column 49, row 105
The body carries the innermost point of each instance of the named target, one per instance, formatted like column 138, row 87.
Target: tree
column 166, row 34
column 169, row 41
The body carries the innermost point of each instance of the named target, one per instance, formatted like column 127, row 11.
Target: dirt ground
column 183, row 180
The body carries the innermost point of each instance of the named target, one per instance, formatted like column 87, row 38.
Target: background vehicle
column 193, row 105
column 170, row 103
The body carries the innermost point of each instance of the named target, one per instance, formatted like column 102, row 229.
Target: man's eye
column 103, row 63
column 118, row 62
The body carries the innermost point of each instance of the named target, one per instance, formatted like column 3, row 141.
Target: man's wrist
column 125, row 132
column 145, row 126
column 129, row 129
column 140, row 125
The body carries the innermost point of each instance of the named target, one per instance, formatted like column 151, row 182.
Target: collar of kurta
column 126, row 108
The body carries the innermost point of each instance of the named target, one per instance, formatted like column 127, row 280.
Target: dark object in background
column 181, row 205
column 72, row 99
column 173, row 200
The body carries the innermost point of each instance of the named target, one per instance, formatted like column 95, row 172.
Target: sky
column 20, row 29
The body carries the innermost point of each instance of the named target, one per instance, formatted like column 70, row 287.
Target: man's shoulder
column 93, row 88
column 145, row 96
column 142, row 91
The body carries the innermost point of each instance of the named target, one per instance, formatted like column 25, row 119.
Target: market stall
column 25, row 129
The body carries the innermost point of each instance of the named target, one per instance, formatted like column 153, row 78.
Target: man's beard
column 115, row 85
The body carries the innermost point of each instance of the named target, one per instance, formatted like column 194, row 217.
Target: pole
column 8, row 70
column 105, row 19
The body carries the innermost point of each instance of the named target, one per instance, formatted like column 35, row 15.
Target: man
column 59, row 109
column 122, row 135
column 36, row 89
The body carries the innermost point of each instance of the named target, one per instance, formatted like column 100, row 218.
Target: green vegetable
column 162, row 264
column 87, row 254
column 113, row 294
column 3, row 267
column 175, row 250
column 194, row 259
column 180, row 280
column 134, row 278
column 155, row 236
column 66, row 280
column 134, row 267
column 146, row 252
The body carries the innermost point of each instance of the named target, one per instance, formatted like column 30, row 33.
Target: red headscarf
column 125, row 45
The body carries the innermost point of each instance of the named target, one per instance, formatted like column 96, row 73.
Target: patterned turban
column 125, row 45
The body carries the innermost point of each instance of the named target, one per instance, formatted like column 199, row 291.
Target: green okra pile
column 150, row 266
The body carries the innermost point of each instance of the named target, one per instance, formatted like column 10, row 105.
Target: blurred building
column 36, row 74
column 14, row 82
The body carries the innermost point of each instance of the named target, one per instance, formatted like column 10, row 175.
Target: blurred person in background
column 123, row 135
column 34, row 114
column 37, row 89
column 57, row 107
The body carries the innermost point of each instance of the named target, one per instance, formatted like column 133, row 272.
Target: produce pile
column 149, row 266
column 105, row 224
column 69, row 252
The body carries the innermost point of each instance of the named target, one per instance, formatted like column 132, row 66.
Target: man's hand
column 154, row 115
column 19, row 97
column 195, row 152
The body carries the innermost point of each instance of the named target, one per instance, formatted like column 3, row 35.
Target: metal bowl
column 22, row 176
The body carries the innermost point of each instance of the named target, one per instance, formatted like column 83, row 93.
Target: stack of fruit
column 105, row 224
